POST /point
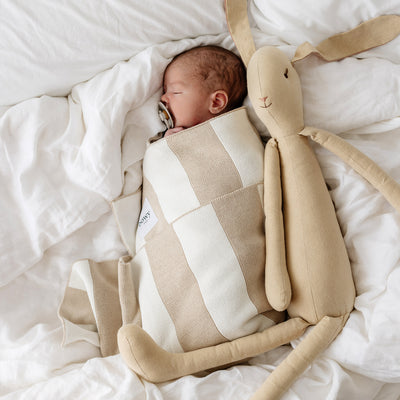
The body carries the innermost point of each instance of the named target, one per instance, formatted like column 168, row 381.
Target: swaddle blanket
column 198, row 272
column 201, row 234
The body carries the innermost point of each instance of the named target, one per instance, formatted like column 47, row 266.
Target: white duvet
column 79, row 85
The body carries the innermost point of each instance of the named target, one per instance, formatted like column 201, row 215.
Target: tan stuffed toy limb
column 153, row 363
column 277, row 283
column 359, row 162
column 286, row 373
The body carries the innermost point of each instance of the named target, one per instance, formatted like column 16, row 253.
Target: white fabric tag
column 147, row 219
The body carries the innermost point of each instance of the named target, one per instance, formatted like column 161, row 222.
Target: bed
column 80, row 83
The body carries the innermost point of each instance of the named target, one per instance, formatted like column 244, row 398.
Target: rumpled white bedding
column 79, row 86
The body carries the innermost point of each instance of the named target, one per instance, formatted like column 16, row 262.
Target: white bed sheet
column 79, row 86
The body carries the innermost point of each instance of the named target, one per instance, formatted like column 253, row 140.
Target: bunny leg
column 300, row 358
column 154, row 364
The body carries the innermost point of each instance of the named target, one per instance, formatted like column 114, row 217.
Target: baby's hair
column 218, row 68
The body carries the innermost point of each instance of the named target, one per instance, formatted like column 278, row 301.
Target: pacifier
column 165, row 116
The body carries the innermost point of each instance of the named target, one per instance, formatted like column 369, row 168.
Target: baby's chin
column 190, row 124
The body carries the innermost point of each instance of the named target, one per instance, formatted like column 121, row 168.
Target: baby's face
column 184, row 96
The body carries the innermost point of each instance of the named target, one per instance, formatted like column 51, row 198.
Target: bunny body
column 320, row 274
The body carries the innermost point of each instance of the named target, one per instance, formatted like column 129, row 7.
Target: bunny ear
column 369, row 34
column 239, row 27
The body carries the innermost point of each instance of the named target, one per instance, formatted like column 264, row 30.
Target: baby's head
column 202, row 83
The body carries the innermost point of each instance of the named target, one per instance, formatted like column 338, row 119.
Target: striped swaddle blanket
column 196, row 275
column 200, row 244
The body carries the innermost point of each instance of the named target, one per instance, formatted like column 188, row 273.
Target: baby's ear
column 219, row 100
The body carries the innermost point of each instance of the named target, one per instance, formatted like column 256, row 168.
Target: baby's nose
column 164, row 98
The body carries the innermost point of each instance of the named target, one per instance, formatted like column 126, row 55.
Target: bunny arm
column 150, row 361
column 362, row 164
column 277, row 283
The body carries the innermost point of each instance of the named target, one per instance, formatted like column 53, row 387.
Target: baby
column 199, row 263
column 202, row 83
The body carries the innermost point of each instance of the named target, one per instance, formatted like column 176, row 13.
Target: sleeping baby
column 202, row 83
column 198, row 271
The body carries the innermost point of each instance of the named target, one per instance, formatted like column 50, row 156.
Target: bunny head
column 275, row 92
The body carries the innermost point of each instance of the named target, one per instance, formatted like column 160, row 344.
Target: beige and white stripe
column 246, row 150
column 90, row 309
column 194, row 149
column 158, row 175
column 245, row 233
column 167, row 259
column 155, row 317
column 218, row 273
column 77, row 310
